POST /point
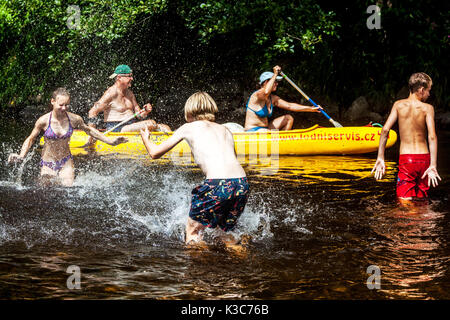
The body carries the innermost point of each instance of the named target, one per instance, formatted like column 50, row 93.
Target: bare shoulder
column 187, row 125
column 275, row 99
column 200, row 127
column 43, row 120
column 110, row 93
column 400, row 103
column 428, row 110
column 214, row 125
column 111, row 89
column 220, row 129
column 428, row 107
column 44, row 117
column 184, row 129
column 259, row 94
column 74, row 118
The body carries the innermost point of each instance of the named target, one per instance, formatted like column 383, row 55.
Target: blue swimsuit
column 263, row 113
column 51, row 135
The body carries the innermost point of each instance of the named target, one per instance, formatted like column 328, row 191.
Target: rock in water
column 359, row 109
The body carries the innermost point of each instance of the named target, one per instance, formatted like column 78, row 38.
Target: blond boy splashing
column 219, row 201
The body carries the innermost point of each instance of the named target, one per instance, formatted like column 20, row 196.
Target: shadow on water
column 316, row 224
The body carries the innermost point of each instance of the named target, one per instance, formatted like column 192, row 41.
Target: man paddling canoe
column 118, row 103
column 417, row 161
column 260, row 106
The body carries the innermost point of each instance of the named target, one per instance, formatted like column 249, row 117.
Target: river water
column 316, row 224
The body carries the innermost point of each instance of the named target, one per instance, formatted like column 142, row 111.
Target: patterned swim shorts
column 219, row 202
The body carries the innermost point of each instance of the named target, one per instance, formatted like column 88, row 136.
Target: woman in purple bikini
column 58, row 126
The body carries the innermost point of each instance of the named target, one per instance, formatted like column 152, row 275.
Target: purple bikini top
column 50, row 134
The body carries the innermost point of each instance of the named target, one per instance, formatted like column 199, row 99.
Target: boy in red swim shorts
column 417, row 164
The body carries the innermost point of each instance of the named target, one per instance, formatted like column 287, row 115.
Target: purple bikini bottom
column 56, row 165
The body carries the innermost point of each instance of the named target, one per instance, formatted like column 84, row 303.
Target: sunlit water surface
column 316, row 224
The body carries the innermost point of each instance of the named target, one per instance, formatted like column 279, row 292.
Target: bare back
column 412, row 123
column 213, row 148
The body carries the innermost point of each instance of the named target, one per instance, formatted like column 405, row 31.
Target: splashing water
column 316, row 224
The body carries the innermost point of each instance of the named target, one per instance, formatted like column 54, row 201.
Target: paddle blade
column 336, row 124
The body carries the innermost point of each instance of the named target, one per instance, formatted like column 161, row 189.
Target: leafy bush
column 325, row 45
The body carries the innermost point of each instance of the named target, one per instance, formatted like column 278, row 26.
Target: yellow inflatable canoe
column 312, row 141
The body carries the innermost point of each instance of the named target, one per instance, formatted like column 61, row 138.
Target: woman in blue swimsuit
column 58, row 126
column 259, row 107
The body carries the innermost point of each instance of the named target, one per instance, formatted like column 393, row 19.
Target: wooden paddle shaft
column 336, row 124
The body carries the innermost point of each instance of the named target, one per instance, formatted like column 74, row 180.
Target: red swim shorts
column 411, row 168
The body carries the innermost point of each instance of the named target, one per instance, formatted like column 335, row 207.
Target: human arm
column 93, row 114
column 380, row 168
column 100, row 106
column 29, row 141
column 268, row 88
column 431, row 172
column 144, row 111
column 156, row 151
column 78, row 123
column 291, row 106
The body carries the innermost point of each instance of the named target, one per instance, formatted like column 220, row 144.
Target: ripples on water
column 316, row 224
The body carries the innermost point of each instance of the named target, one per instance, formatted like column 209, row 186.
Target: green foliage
column 278, row 26
column 40, row 37
column 110, row 19
column 378, row 62
column 325, row 45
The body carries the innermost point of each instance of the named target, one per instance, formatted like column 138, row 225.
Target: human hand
column 146, row 109
column 145, row 134
column 277, row 70
column 119, row 140
column 317, row 109
column 91, row 141
column 379, row 168
column 14, row 157
column 433, row 176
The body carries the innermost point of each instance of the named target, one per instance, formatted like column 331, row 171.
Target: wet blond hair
column 418, row 80
column 200, row 106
